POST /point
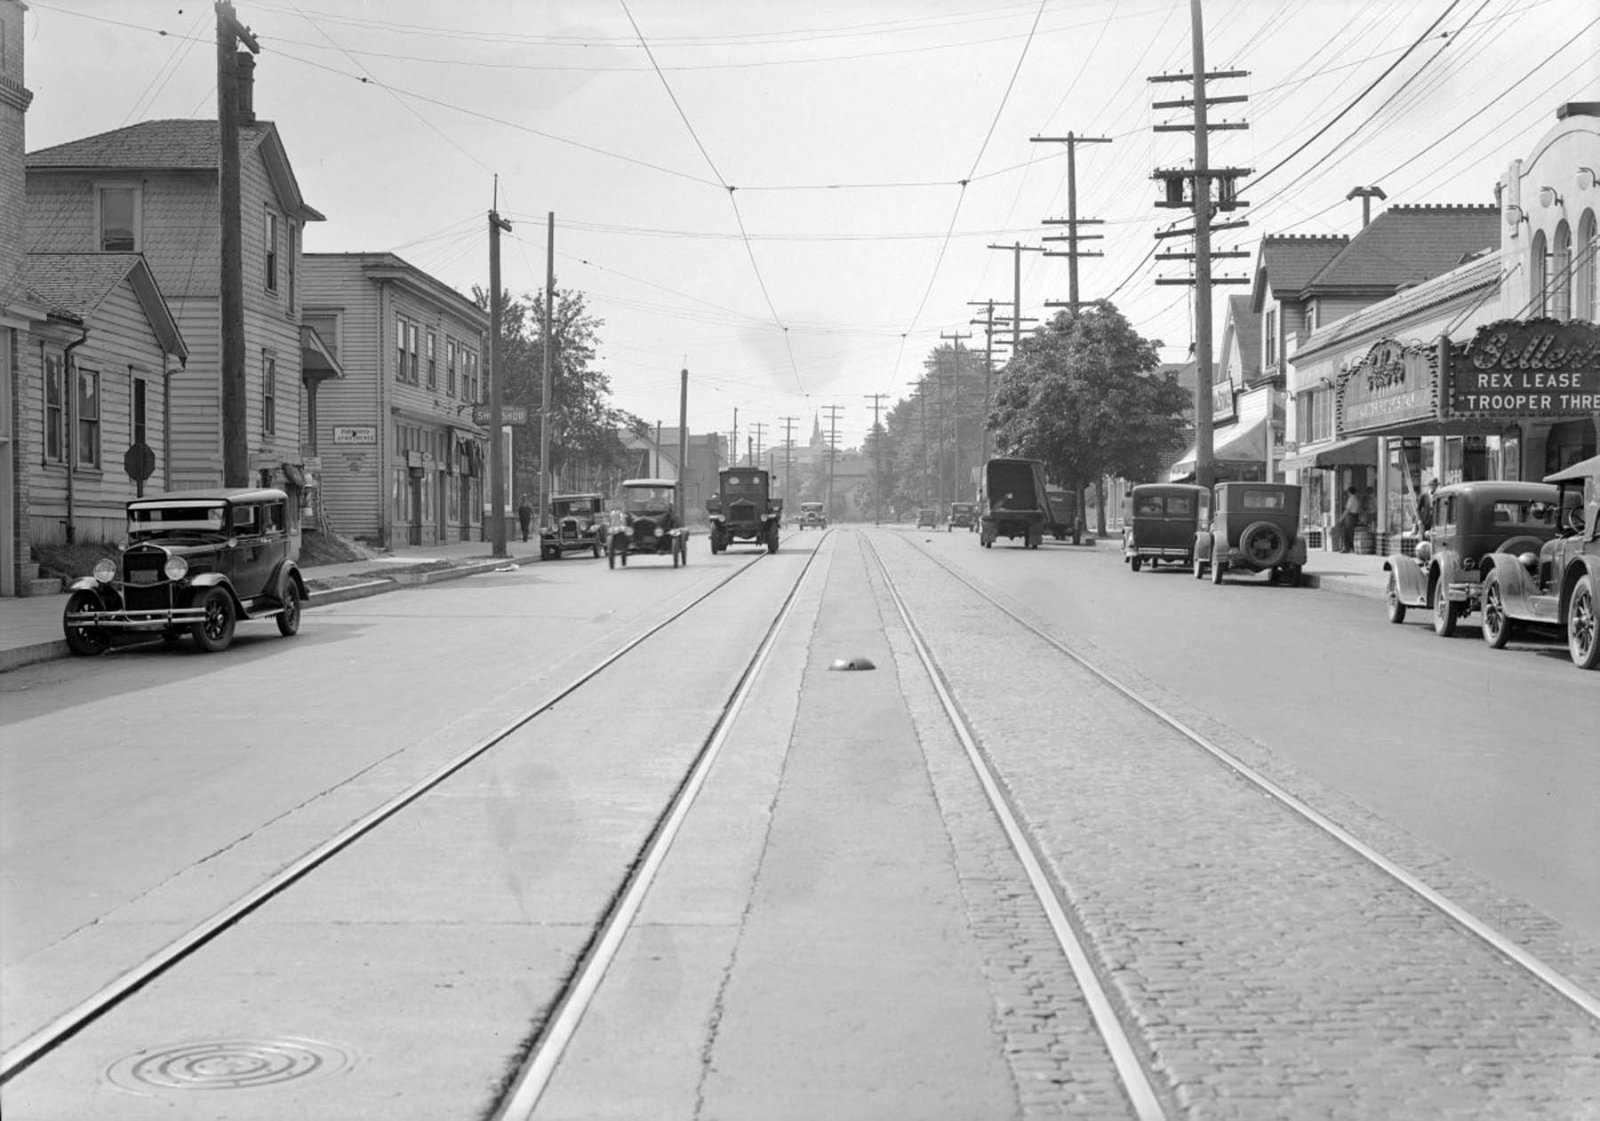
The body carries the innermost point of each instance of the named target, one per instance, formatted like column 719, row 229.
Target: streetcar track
column 1552, row 978
column 1135, row 1079
column 42, row 1041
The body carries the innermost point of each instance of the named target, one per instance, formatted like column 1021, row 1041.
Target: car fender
column 1297, row 552
column 1516, row 583
column 1587, row 564
column 1409, row 579
column 286, row 572
column 87, row 584
column 1202, row 546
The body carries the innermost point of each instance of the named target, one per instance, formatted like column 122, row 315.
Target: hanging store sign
column 1222, row 401
column 1536, row 367
column 1392, row 384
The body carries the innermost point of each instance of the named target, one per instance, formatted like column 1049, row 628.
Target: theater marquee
column 1538, row 367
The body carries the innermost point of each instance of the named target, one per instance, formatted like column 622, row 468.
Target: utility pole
column 1017, row 250
column 877, row 400
column 235, row 392
column 955, row 337
column 733, row 450
column 761, row 430
column 683, row 444
column 546, row 413
column 833, row 412
column 988, row 356
column 1201, row 177
column 1072, row 221
column 922, row 484
column 497, row 383
column 788, row 456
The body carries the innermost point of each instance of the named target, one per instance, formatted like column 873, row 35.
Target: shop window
column 450, row 367
column 269, row 393
column 399, row 348
column 140, row 421
column 1561, row 280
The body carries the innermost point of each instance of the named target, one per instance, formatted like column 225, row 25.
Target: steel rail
column 1553, row 978
column 64, row 1026
column 1124, row 1055
column 533, row 1079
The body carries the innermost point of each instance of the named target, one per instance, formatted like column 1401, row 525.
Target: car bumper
column 147, row 620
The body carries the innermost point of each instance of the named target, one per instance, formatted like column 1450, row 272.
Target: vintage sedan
column 963, row 515
column 813, row 516
column 646, row 523
column 196, row 562
column 1471, row 522
column 743, row 509
column 1160, row 523
column 1555, row 590
column 927, row 517
column 1255, row 527
column 576, row 526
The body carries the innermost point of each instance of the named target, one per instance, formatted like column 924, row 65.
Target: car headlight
column 105, row 571
column 175, row 568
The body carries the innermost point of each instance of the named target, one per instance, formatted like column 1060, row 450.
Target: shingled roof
column 73, row 286
column 1289, row 261
column 1247, row 335
column 173, row 145
column 1407, row 245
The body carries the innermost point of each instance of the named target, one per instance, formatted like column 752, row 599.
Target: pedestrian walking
column 1347, row 522
column 524, row 515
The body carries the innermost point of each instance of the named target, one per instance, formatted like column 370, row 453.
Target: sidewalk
column 30, row 627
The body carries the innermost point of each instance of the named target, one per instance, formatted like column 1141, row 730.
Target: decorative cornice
column 15, row 94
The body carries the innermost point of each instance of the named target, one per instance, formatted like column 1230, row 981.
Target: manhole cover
column 227, row 1064
column 852, row 663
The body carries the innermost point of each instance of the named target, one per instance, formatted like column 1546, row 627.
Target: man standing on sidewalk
column 524, row 515
column 1347, row 523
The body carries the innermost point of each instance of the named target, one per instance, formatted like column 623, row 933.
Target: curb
column 1344, row 585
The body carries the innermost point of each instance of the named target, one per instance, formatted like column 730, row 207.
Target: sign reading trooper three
column 1536, row 367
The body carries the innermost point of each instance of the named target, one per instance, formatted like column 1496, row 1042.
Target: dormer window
column 118, row 216
column 270, row 236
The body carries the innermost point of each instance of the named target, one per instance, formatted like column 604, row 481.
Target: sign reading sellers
column 1538, row 367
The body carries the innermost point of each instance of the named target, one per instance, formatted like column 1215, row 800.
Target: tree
column 585, row 429
column 1081, row 396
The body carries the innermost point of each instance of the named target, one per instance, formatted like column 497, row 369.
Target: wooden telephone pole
column 235, row 394
column 497, row 381
column 1072, row 237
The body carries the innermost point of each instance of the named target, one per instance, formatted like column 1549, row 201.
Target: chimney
column 245, row 64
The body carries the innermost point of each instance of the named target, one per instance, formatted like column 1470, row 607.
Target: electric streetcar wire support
column 69, row 1023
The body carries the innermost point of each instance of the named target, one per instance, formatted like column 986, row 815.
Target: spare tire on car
column 1263, row 544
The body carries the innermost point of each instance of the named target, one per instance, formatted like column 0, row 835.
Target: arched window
column 1586, row 305
column 1538, row 277
column 1561, row 281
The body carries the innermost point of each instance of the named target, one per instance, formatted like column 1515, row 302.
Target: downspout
column 166, row 422
column 70, row 372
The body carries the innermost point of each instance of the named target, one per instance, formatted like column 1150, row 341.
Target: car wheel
column 214, row 632
column 84, row 641
column 1446, row 613
column 1583, row 625
column 1391, row 595
column 289, row 617
column 1263, row 544
column 1496, row 625
column 597, row 550
column 772, row 539
column 1135, row 564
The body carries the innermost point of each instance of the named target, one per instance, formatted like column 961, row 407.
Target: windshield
column 744, row 483
column 175, row 518
column 647, row 500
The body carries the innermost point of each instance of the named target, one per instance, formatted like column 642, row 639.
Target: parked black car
column 963, row 515
column 1161, row 521
column 1255, row 527
column 1555, row 590
column 196, row 562
column 744, row 510
column 576, row 526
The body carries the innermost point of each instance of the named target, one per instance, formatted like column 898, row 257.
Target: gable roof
column 176, row 145
column 1246, row 335
column 1408, row 245
column 74, row 285
column 1286, row 262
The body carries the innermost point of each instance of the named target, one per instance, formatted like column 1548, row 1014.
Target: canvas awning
column 1243, row 441
column 1353, row 452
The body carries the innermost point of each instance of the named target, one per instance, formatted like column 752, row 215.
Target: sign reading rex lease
column 1537, row 367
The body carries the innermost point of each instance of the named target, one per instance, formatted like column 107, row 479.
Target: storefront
column 1243, row 441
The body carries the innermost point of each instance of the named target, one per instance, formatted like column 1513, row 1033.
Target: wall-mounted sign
column 355, row 434
column 1535, row 367
column 1222, row 401
column 1392, row 384
column 509, row 414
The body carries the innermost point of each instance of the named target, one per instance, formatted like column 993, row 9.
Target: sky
column 798, row 202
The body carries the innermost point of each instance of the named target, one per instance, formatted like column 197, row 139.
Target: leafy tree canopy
column 1081, row 395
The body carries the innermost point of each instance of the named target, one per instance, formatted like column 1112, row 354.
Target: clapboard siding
column 120, row 346
column 352, row 475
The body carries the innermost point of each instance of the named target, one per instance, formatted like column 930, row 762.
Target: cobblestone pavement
column 1271, row 972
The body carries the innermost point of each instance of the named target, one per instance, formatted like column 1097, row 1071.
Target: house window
column 290, row 256
column 450, row 367
column 88, row 418
column 399, row 348
column 469, row 375
column 411, row 353
column 433, row 360
column 326, row 325
column 1538, row 276
column 269, row 393
column 1561, row 282
column 270, row 234
column 1269, row 324
column 139, row 431
column 119, row 219
column 1322, row 416
column 55, row 412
